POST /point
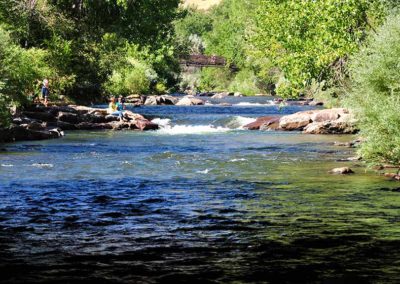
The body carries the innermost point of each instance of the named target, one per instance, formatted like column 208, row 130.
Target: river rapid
column 200, row 200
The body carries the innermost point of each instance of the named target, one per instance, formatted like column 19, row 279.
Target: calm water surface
column 200, row 200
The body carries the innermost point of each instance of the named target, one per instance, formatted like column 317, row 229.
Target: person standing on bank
column 45, row 92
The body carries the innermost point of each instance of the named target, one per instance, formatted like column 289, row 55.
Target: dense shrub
column 375, row 94
column 305, row 39
column 245, row 82
column 215, row 79
column 21, row 72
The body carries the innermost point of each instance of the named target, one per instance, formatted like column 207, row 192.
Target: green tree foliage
column 20, row 72
column 79, row 45
column 232, row 19
column 375, row 94
column 215, row 79
column 304, row 39
column 189, row 31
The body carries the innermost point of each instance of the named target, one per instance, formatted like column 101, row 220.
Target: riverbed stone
column 43, row 116
column 144, row 124
column 189, row 101
column 68, row 117
column 296, row 121
column 342, row 171
column 222, row 95
column 65, row 125
column 315, row 103
column 151, row 101
column 330, row 127
column 167, row 100
column 35, row 126
column 262, row 121
column 328, row 114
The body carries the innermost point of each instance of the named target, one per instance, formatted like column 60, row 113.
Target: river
column 200, row 200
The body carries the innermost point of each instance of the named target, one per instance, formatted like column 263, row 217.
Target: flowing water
column 200, row 200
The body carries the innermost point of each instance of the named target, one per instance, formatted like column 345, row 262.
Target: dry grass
column 201, row 4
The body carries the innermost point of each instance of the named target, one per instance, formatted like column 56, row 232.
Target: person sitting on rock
column 121, row 104
column 113, row 109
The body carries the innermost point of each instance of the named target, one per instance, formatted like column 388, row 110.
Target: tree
column 304, row 39
column 375, row 93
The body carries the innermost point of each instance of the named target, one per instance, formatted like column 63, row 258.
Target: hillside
column 201, row 4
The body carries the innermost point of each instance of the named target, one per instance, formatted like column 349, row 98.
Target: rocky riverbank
column 39, row 123
column 202, row 98
column 325, row 121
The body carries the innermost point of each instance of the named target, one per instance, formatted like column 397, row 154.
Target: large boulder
column 189, row 101
column 66, row 125
column 221, row 95
column 206, row 94
column 262, row 121
column 132, row 116
column 296, row 121
column 111, row 118
column 342, row 171
column 167, row 100
column 20, row 133
column 330, row 127
column 328, row 114
column 316, row 103
column 68, row 117
column 93, row 126
column 151, row 101
column 93, row 118
column 144, row 124
column 39, row 115
column 35, row 126
column 81, row 109
column 335, row 121
column 272, row 124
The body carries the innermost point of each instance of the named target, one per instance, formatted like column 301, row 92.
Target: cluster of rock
column 220, row 95
column 164, row 100
column 38, row 123
column 326, row 121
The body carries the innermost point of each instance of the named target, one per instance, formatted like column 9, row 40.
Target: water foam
column 191, row 129
column 206, row 171
column 247, row 104
column 238, row 122
column 237, row 160
column 7, row 165
column 168, row 129
column 162, row 122
column 41, row 165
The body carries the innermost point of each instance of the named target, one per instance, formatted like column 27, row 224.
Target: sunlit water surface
column 199, row 200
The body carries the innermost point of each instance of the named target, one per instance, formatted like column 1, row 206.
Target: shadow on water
column 181, row 230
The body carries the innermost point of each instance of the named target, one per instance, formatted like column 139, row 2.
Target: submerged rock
column 189, row 101
column 342, row 171
column 151, row 101
column 392, row 176
column 222, row 95
column 264, row 122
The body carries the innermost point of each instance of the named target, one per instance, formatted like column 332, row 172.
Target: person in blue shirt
column 45, row 92
column 121, row 104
